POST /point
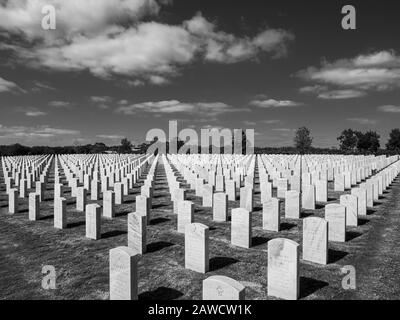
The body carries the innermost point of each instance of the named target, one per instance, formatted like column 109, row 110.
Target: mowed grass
column 82, row 265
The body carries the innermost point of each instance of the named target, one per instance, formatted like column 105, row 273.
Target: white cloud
column 379, row 71
column 341, row 94
column 102, row 102
column 109, row 37
column 282, row 129
column 59, row 104
column 30, row 111
column 6, row 85
column 74, row 17
column 34, row 132
column 272, row 121
column 362, row 121
column 205, row 109
column 100, row 99
column 40, row 86
column 110, row 137
column 272, row 103
column 389, row 109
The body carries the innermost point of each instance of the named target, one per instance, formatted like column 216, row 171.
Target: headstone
column 339, row 183
column 315, row 240
column 196, row 247
column 40, row 190
column 231, row 190
column 283, row 269
column 361, row 195
column 266, row 191
column 137, row 225
column 60, row 213
column 271, row 217
column 93, row 221
column 246, row 198
column 22, row 188
column 58, row 191
column 109, row 204
column 119, row 193
column 308, row 197
column 241, row 228
column 208, row 191
column 13, row 201
column 185, row 215
column 282, row 187
column 222, row 288
column 123, row 274
column 351, row 204
column 178, row 196
column 220, row 207
column 81, row 199
column 143, row 206
column 321, row 191
column 34, row 206
column 95, row 190
column 335, row 214
column 370, row 193
column 292, row 204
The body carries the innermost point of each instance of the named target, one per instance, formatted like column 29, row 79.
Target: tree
column 125, row 147
column 394, row 141
column 303, row 140
column 348, row 140
column 368, row 142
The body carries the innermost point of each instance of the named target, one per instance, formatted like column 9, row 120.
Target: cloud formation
column 203, row 109
column 111, row 37
column 272, row 103
column 59, row 104
column 6, row 85
column 362, row 121
column 389, row 109
column 34, row 132
column 351, row 78
column 30, row 111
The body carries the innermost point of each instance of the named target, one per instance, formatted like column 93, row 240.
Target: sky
column 118, row 68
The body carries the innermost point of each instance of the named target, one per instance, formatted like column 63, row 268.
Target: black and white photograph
column 186, row 150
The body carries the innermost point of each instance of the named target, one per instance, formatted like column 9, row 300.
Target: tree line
column 350, row 142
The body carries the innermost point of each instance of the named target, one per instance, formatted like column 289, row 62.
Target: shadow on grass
column 75, row 224
column 114, row 233
column 370, row 211
column 308, row 286
column 362, row 221
column 258, row 241
column 350, row 235
column 158, row 221
column 156, row 246
column 47, row 217
column 336, row 255
column 217, row 263
column 160, row 205
column 306, row 214
column 161, row 293
column 287, row 226
column 123, row 213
